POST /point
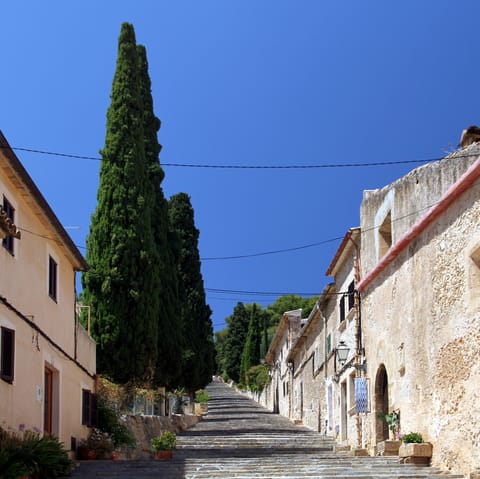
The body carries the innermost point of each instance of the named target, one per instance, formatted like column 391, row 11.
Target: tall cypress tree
column 121, row 285
column 199, row 350
column 251, row 348
column 167, row 371
column 235, row 340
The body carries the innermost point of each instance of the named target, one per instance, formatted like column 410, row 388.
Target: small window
column 329, row 343
column 52, row 278
column 342, row 308
column 7, row 362
column 89, row 408
column 8, row 242
column 351, row 295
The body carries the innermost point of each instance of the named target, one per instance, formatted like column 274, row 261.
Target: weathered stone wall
column 145, row 428
column 421, row 317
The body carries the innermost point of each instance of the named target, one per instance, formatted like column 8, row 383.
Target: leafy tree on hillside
column 121, row 285
column 289, row 302
column 231, row 342
column 198, row 361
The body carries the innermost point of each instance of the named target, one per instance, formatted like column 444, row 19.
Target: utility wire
column 256, row 293
column 265, row 253
column 248, row 167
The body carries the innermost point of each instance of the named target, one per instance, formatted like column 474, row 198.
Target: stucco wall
column 45, row 328
column 420, row 317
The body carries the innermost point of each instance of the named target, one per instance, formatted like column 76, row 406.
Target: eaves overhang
column 23, row 181
column 337, row 261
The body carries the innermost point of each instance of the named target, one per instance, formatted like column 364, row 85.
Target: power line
column 265, row 253
column 246, row 167
column 257, row 293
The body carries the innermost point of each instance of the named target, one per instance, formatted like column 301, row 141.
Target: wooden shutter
column 86, row 407
column 342, row 308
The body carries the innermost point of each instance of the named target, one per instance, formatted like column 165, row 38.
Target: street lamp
column 342, row 351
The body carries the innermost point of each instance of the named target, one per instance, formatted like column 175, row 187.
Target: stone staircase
column 240, row 439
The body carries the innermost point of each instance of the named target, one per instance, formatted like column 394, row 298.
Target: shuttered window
column 351, row 295
column 7, row 352
column 52, row 278
column 10, row 211
column 342, row 308
column 89, row 408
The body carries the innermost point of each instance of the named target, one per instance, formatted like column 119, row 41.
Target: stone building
column 278, row 395
column 420, row 292
column 47, row 359
column 405, row 307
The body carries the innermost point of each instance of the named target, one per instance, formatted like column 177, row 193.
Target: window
column 89, row 408
column 342, row 308
column 10, row 211
column 351, row 295
column 329, row 343
column 52, row 278
column 7, row 352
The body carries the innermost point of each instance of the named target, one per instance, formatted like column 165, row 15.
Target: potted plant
column 98, row 445
column 163, row 445
column 390, row 447
column 201, row 402
column 414, row 450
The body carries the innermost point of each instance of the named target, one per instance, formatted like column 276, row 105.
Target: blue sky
column 270, row 82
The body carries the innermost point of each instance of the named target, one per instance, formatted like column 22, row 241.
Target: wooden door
column 47, row 401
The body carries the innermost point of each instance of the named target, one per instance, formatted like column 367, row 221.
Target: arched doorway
column 381, row 403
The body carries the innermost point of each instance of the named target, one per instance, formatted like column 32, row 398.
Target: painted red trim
column 460, row 186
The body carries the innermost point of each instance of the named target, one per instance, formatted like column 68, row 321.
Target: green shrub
column 109, row 421
column 257, row 377
column 167, row 441
column 202, row 396
column 414, row 437
column 28, row 453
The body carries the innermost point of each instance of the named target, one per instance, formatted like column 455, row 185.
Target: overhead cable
column 247, row 167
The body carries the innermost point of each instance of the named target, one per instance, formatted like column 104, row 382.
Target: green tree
column 220, row 342
column 167, row 370
column 289, row 302
column 235, row 340
column 251, row 348
column 198, row 361
column 122, row 284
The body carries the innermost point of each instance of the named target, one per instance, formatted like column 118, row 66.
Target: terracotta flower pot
column 163, row 455
column 87, row 454
column 115, row 455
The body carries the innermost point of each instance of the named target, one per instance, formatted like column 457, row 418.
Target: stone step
column 240, row 439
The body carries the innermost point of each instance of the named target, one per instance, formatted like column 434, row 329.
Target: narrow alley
column 240, row 439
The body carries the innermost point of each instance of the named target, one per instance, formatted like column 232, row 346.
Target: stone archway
column 381, row 403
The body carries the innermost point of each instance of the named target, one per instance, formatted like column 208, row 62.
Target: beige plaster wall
column 421, row 319
column 50, row 339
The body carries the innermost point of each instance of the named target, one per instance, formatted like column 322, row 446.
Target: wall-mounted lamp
column 342, row 351
column 290, row 365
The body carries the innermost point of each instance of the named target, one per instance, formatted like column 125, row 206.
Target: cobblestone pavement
column 240, row 439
